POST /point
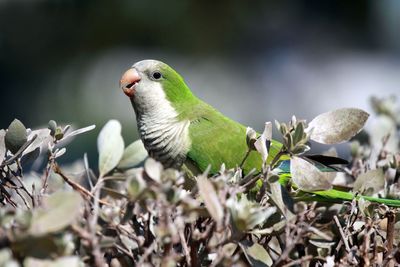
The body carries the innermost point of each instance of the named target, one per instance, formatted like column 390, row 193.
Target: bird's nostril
column 129, row 86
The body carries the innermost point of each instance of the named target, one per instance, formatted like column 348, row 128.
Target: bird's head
column 148, row 82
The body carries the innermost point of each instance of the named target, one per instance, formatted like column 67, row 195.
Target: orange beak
column 128, row 82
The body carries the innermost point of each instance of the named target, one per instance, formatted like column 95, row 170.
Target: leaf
column 283, row 201
column 337, row 126
column 16, row 136
column 372, row 179
column 3, row 148
column 70, row 261
column 59, row 211
column 134, row 155
column 263, row 142
column 110, row 145
column 210, row 198
column 81, row 131
column 153, row 169
column 322, row 243
column 251, row 137
column 308, row 177
column 60, row 152
column 135, row 185
column 129, row 243
column 256, row 254
column 42, row 139
column 247, row 214
column 381, row 127
column 298, row 133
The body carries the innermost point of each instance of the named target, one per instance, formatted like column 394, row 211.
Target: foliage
column 135, row 212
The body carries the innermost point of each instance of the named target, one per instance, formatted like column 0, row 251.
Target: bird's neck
column 165, row 135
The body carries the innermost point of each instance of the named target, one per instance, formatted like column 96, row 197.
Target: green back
column 216, row 139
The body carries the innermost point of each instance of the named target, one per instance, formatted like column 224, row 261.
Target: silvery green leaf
column 337, row 126
column 256, row 254
column 3, row 148
column 381, row 127
column 81, row 130
column 300, row 149
column 272, row 178
column 59, row 210
column 263, row 140
column 6, row 257
column 52, row 126
column 129, row 243
column 153, row 169
column 68, row 261
column 288, row 140
column 15, row 136
column 322, row 243
column 42, row 139
column 210, row 198
column 277, row 196
column 251, row 137
column 30, row 157
column 134, row 155
column 60, row 152
column 248, row 214
column 372, row 179
column 298, row 133
column 110, row 146
column 135, row 184
column 307, row 176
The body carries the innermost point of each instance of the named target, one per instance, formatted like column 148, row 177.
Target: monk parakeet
column 177, row 128
column 180, row 130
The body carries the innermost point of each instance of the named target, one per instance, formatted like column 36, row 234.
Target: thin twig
column 245, row 158
column 146, row 253
column 346, row 244
column 185, row 247
column 83, row 191
column 390, row 234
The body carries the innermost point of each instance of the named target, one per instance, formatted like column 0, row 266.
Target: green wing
column 217, row 139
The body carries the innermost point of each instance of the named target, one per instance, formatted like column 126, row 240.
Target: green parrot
column 182, row 131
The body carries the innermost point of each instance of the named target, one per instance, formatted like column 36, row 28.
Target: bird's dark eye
column 156, row 75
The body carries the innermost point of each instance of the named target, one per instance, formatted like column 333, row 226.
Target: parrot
column 183, row 132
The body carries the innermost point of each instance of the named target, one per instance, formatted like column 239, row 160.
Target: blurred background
column 255, row 61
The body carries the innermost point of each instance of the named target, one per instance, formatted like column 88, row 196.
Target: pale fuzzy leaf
column 3, row 148
column 110, row 146
column 59, row 210
column 261, row 143
column 330, row 261
column 381, row 127
column 307, row 177
column 70, row 261
column 42, row 139
column 60, row 152
column 210, row 198
column 374, row 179
column 322, row 243
column 153, row 169
column 133, row 156
column 337, row 126
column 79, row 131
column 16, row 136
column 277, row 197
column 257, row 255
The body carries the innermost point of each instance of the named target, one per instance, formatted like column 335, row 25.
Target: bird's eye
column 156, row 75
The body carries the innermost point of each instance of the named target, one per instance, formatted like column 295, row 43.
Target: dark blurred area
column 255, row 61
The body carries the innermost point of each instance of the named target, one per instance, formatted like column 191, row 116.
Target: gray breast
column 166, row 141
